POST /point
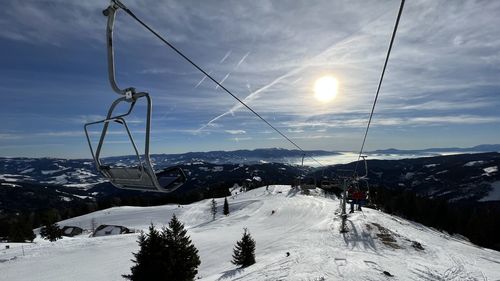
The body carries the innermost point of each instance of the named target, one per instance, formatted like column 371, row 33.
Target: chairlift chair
column 358, row 192
column 141, row 176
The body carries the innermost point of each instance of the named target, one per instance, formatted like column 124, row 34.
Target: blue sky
column 441, row 88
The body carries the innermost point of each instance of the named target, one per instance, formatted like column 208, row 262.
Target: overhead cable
column 130, row 13
column 380, row 84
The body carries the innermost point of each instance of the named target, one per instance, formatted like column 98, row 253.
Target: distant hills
column 81, row 173
column 477, row 148
column 27, row 184
column 468, row 177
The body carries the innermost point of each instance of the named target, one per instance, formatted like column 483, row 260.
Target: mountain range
column 477, row 148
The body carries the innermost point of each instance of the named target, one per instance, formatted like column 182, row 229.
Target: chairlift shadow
column 229, row 274
column 353, row 238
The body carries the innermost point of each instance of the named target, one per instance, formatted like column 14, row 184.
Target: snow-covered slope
column 305, row 226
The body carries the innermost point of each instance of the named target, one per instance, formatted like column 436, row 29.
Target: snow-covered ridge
column 305, row 226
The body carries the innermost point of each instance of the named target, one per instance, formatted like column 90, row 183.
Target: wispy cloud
column 235, row 132
column 9, row 136
column 238, row 139
column 441, row 82
column 394, row 121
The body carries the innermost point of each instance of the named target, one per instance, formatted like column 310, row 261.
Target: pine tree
column 226, row 207
column 151, row 261
column 51, row 232
column 213, row 208
column 244, row 250
column 165, row 255
column 184, row 255
column 20, row 231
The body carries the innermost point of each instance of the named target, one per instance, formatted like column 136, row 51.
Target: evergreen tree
column 244, row 250
column 213, row 208
column 51, row 232
column 226, row 207
column 165, row 255
column 20, row 231
column 151, row 262
column 183, row 254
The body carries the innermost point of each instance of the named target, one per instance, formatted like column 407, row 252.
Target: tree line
column 479, row 222
column 18, row 226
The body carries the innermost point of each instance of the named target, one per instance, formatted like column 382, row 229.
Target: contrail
column 251, row 97
column 226, row 56
column 309, row 62
column 296, row 81
column 242, row 60
column 202, row 79
column 223, row 79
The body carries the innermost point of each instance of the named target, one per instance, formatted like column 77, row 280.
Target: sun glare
column 325, row 88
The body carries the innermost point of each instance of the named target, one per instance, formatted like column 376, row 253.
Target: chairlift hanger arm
column 366, row 166
column 110, row 12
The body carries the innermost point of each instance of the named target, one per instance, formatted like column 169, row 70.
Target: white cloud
column 4, row 136
column 235, row 132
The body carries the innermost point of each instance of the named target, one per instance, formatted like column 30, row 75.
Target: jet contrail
column 222, row 81
column 242, row 60
column 312, row 61
column 202, row 79
column 251, row 97
column 226, row 56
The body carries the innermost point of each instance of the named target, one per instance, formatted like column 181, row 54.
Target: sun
column 325, row 88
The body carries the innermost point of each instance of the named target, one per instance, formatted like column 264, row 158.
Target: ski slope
column 305, row 226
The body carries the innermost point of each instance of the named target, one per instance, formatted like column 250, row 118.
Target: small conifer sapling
column 226, row 207
column 244, row 250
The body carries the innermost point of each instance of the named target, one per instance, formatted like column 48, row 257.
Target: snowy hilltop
column 297, row 238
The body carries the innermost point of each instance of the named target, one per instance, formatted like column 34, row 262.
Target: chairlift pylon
column 142, row 176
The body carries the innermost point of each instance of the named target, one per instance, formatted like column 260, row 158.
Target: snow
column 49, row 172
column 82, row 196
column 65, row 198
column 81, row 185
column 494, row 194
column 409, row 175
column 10, row 177
column 431, row 165
column 30, row 170
column 9, row 184
column 305, row 226
column 490, row 170
column 62, row 179
column 218, row 169
column 473, row 163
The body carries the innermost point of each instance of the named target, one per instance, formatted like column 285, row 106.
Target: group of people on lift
column 357, row 197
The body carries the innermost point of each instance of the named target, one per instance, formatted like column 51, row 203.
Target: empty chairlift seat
column 141, row 176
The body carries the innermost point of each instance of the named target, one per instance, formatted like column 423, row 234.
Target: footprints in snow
column 342, row 263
